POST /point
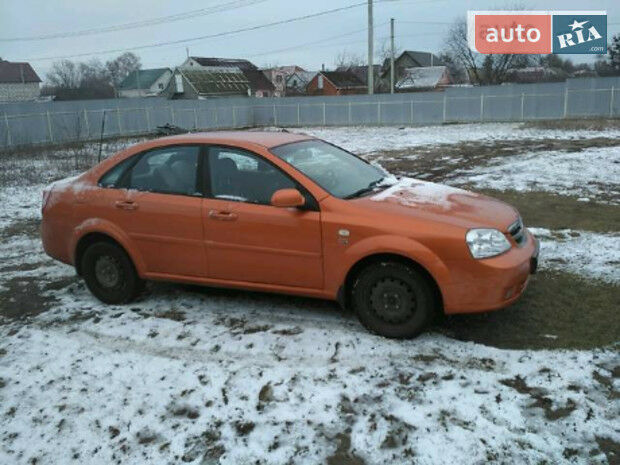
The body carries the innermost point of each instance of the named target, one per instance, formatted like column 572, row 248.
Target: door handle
column 126, row 204
column 222, row 215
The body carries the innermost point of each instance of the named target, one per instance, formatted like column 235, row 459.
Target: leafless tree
column 385, row 51
column 121, row 66
column 93, row 74
column 482, row 69
column 345, row 59
column 64, row 75
column 68, row 80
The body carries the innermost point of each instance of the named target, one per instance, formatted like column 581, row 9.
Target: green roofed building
column 207, row 83
column 145, row 83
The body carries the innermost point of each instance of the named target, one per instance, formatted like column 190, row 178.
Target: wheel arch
column 344, row 293
column 95, row 231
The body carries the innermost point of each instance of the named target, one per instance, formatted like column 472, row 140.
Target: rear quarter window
column 114, row 174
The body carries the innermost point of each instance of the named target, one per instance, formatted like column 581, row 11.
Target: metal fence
column 58, row 122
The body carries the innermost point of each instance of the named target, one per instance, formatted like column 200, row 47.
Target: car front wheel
column 109, row 273
column 393, row 300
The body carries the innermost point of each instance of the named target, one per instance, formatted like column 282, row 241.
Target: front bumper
column 493, row 283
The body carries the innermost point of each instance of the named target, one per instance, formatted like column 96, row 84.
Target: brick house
column 18, row 81
column 336, row 83
column 362, row 73
column 259, row 85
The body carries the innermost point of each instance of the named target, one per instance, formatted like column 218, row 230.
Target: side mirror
column 287, row 198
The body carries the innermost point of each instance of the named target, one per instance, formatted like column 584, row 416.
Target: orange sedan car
column 288, row 213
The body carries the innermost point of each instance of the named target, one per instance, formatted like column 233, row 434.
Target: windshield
column 339, row 172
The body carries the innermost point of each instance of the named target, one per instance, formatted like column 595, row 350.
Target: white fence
column 61, row 122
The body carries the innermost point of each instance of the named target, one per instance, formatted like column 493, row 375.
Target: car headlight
column 484, row 243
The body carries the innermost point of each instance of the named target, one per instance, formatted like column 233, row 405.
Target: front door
column 247, row 238
column 159, row 207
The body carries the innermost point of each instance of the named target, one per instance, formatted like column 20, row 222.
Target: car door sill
column 261, row 287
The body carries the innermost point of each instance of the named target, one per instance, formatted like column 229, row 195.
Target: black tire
column 393, row 300
column 109, row 273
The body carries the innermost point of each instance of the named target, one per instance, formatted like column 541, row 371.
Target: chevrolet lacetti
column 288, row 213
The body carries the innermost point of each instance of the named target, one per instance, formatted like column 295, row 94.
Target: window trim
column 123, row 179
column 311, row 203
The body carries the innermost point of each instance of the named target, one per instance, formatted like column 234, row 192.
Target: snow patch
column 590, row 174
column 411, row 192
column 585, row 253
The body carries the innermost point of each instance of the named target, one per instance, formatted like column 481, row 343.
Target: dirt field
column 214, row 376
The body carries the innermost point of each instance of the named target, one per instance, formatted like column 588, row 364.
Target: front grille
column 517, row 231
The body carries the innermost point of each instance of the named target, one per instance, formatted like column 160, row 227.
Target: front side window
column 339, row 172
column 243, row 177
column 169, row 170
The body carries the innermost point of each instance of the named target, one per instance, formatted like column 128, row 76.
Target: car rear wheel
column 393, row 300
column 109, row 273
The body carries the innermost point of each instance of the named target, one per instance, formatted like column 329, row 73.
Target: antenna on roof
column 187, row 51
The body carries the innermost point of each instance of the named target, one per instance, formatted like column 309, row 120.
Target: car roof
column 264, row 138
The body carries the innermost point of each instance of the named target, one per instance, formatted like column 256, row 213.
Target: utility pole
column 391, row 55
column 371, row 68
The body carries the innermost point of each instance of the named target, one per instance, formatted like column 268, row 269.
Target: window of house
column 320, row 82
column 169, row 170
column 243, row 177
column 160, row 85
column 279, row 78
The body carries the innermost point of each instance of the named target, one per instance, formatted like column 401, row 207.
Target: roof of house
column 15, row 72
column 142, row 78
column 305, row 76
column 288, row 69
column 217, row 81
column 258, row 80
column 226, row 62
column 423, row 58
column 360, row 71
column 343, row 79
column 421, row 78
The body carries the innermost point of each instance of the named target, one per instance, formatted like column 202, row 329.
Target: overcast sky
column 293, row 43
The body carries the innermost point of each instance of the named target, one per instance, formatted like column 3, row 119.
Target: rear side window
column 112, row 177
column 169, row 170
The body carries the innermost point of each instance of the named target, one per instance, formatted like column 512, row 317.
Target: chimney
column 323, row 67
column 21, row 72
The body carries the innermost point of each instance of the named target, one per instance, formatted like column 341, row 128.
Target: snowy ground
column 588, row 174
column 213, row 376
column 366, row 139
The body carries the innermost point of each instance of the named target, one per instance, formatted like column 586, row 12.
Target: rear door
column 157, row 202
column 247, row 238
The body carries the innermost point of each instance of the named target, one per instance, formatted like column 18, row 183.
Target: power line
column 320, row 41
column 232, row 5
column 350, row 42
column 216, row 35
column 208, row 36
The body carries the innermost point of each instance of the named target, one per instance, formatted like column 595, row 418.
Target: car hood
column 413, row 197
